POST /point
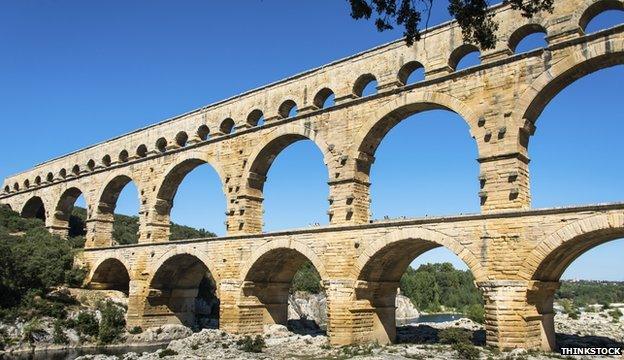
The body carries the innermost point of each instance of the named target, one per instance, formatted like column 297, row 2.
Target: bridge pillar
column 137, row 293
column 349, row 201
column 504, row 182
column 519, row 314
column 99, row 232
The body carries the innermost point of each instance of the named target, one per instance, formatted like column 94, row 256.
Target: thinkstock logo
column 604, row 351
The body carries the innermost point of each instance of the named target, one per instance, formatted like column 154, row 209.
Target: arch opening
column 123, row 156
column 288, row 164
column 602, row 15
column 111, row 274
column 324, row 98
column 161, row 144
column 411, row 73
column 393, row 163
column 415, row 275
column 464, row 57
column 278, row 281
column 365, row 85
column 227, row 126
column 198, row 209
column 203, row 132
column 255, row 118
column 582, row 276
column 528, row 37
column 181, row 138
column 106, row 160
column 117, row 212
column 141, row 151
column 34, row 208
column 288, row 109
column 185, row 287
column 71, row 213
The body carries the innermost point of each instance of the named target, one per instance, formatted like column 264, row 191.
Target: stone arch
column 407, row 69
column 361, row 82
column 379, row 268
column 595, row 9
column 273, row 144
column 110, row 273
column 203, row 132
column 175, row 286
column 390, row 114
column 227, row 126
column 321, row 97
column 64, row 207
column 34, row 207
column 254, row 117
column 286, row 107
column 111, row 189
column 549, row 259
column 522, row 32
column 141, row 151
column 580, row 63
column 267, row 279
column 459, row 53
column 286, row 245
column 173, row 176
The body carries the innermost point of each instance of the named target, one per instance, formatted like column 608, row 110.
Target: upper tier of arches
column 389, row 66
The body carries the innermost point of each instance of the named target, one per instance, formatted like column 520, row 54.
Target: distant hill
column 126, row 228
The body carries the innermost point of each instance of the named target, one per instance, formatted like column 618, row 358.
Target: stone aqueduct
column 516, row 253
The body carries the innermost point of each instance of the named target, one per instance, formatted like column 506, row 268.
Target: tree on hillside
column 477, row 24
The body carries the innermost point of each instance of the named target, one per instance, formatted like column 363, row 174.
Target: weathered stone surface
column 516, row 254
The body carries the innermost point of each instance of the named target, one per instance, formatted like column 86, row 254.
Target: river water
column 71, row 354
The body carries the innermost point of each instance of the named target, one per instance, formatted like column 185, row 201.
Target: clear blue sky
column 77, row 72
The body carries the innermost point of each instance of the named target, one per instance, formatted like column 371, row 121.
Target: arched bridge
column 517, row 254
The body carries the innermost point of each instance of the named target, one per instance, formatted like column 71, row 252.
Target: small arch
column 411, row 72
column 324, row 98
column 34, row 208
column 63, row 173
column 181, row 138
column 50, row 177
column 462, row 57
column 203, row 132
column 527, row 37
column 123, row 156
column 7, row 189
column 227, row 126
column 161, row 144
column 288, row 109
column 38, row 180
column 26, row 184
column 76, row 170
column 106, row 160
column 596, row 9
column 255, row 117
column 364, row 82
column 91, row 165
column 16, row 187
column 141, row 151
column 110, row 274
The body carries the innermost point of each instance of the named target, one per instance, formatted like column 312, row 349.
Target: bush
column 476, row 312
column 616, row 314
column 307, row 279
column 136, row 330
column 454, row 336
column 113, row 323
column 32, row 330
column 167, row 352
column 466, row 351
column 248, row 344
column 86, row 324
column 58, row 336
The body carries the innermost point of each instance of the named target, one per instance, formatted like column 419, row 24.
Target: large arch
column 594, row 57
column 268, row 275
column 34, row 208
column 388, row 115
column 173, row 178
column 379, row 268
column 260, row 160
column 65, row 206
column 110, row 274
column 549, row 259
column 182, row 289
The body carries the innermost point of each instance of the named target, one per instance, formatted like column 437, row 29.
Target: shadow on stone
column 305, row 327
column 570, row 340
column 425, row 334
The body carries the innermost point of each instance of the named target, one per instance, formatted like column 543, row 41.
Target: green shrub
column 113, row 323
column 167, row 352
column 58, row 336
column 466, row 351
column 32, row 330
column 616, row 314
column 476, row 312
column 248, row 344
column 136, row 330
column 307, row 279
column 86, row 324
column 454, row 336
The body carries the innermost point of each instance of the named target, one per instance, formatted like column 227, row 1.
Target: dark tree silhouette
column 477, row 24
